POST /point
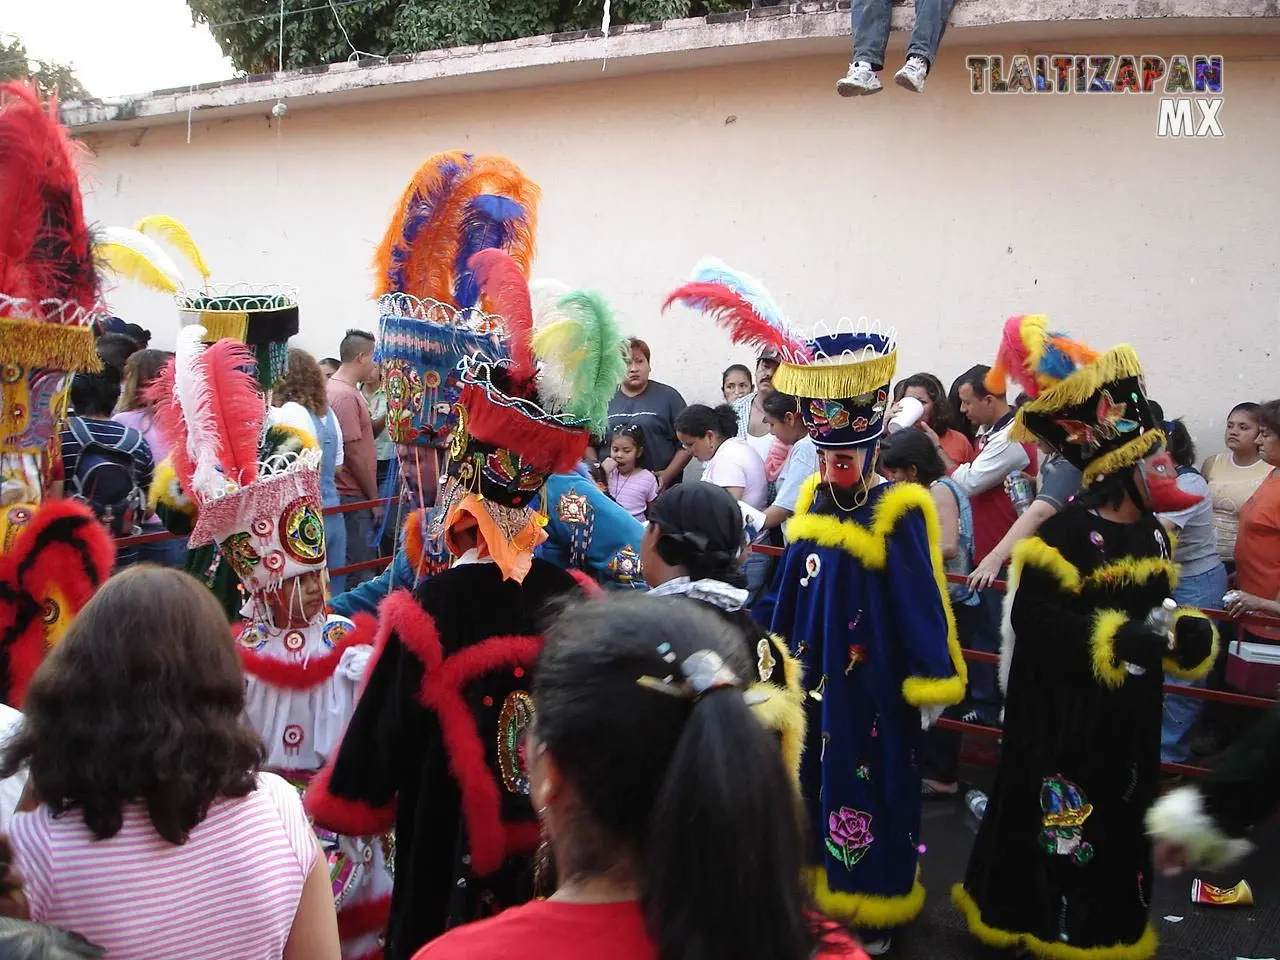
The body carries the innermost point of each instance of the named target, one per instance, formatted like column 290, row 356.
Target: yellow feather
column 132, row 265
column 176, row 234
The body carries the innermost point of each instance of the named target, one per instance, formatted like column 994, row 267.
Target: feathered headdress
column 133, row 254
column 1034, row 357
column 456, row 205
column 741, row 304
column 580, row 345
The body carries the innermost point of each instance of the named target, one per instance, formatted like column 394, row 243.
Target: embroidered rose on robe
column 849, row 835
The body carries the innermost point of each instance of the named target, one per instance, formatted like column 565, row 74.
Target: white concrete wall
column 940, row 214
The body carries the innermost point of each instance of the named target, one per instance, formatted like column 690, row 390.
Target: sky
column 119, row 47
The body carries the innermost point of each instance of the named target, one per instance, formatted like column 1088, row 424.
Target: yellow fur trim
column 1128, row 572
column 836, row 381
column 167, row 491
column 1049, row 950
column 865, row 909
column 871, row 549
column 1116, row 460
column 808, row 490
column 1108, row 670
column 1201, row 669
column 782, row 711
column 51, row 346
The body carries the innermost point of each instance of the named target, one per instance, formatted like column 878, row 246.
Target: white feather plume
column 166, row 272
column 204, row 442
column 555, row 382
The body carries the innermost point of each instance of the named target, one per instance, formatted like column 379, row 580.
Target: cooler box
column 1254, row 668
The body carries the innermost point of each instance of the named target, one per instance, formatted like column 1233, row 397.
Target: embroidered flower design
column 849, row 835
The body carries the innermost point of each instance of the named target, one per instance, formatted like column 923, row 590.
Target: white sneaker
column 877, row 948
column 912, row 74
column 859, row 81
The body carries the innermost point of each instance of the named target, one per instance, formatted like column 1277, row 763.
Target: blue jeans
column 359, row 525
column 871, row 29
column 1180, row 713
column 335, row 549
column 984, row 635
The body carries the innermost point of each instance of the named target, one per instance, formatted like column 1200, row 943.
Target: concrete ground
column 1203, row 933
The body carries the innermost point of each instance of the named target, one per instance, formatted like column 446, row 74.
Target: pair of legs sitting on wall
column 871, row 20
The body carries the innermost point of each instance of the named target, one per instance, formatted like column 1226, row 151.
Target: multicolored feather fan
column 580, row 346
column 741, row 304
column 1034, row 357
column 456, row 205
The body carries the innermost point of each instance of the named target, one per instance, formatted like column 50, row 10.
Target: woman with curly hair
column 303, row 387
column 153, row 832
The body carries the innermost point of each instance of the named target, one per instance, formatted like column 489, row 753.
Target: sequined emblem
column 1109, row 423
column 625, row 565
column 459, row 438
column 333, row 633
column 513, row 720
column 507, row 470
column 294, row 641
column 254, row 637
column 302, row 531
column 765, row 660
column 812, row 567
column 1064, row 810
column 238, row 549
column 344, row 871
column 827, row 416
column 261, row 527
column 404, row 389
column 274, row 561
column 849, row 835
column 292, row 739
column 572, row 509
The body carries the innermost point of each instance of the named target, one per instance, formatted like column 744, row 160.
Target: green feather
column 599, row 364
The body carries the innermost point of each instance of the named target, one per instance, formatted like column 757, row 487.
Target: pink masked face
column 1158, row 481
column 842, row 469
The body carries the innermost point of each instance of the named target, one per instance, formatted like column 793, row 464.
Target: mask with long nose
column 1157, row 477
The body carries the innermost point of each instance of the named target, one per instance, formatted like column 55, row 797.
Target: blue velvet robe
column 861, row 599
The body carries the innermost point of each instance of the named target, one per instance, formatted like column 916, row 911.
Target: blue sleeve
column 366, row 597
column 936, row 674
column 590, row 532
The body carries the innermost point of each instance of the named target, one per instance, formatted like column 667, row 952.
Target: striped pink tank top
column 229, row 893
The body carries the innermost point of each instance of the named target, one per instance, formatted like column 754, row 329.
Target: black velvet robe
column 436, row 747
column 1062, row 864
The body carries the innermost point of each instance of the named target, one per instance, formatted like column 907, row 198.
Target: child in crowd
column 633, row 487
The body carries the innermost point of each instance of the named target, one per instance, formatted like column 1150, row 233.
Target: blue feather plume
column 488, row 223
column 418, row 214
column 713, row 270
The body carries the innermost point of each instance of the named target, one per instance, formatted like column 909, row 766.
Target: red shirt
column 554, row 930
column 349, row 406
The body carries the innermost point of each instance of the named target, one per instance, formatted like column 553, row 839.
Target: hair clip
column 702, row 671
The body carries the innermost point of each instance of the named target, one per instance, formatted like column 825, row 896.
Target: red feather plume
column 732, row 312
column 506, row 292
column 237, row 405
column 46, row 251
column 170, row 422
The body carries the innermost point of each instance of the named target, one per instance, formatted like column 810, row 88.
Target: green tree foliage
column 48, row 77
column 249, row 30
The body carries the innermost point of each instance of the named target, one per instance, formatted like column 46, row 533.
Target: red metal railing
column 976, row 656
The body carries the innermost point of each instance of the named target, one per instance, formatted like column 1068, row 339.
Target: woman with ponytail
column 672, row 821
column 693, row 547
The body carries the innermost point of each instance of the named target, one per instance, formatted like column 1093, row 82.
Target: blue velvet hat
column 420, row 345
column 844, row 390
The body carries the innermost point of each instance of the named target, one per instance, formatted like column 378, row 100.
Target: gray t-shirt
column 1197, row 550
column 654, row 412
column 1059, row 482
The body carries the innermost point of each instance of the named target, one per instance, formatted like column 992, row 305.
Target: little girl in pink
column 633, row 487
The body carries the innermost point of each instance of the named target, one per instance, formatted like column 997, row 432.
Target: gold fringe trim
column 866, row 909
column 1144, row 949
column 1202, row 668
column 48, row 346
column 871, row 549
column 1115, row 364
column 836, row 381
column 1126, row 456
column 224, row 325
column 1109, row 671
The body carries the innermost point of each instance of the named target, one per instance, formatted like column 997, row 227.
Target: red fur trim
column 341, row 815
column 413, row 625
column 589, row 586
column 361, row 919
column 300, row 675
column 543, row 444
column 442, row 691
column 49, row 553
